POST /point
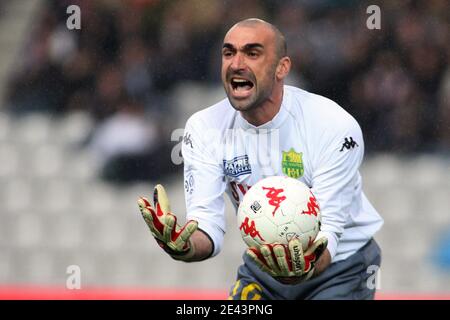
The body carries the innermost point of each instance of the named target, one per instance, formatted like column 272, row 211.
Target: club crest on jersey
column 292, row 163
column 237, row 166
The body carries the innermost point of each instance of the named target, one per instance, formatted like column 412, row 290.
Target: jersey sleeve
column 204, row 183
column 336, row 180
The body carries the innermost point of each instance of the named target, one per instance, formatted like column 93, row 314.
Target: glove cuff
column 177, row 255
column 185, row 256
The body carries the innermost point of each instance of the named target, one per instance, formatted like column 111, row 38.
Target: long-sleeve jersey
column 311, row 138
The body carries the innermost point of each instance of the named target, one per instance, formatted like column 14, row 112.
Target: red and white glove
column 288, row 264
column 175, row 240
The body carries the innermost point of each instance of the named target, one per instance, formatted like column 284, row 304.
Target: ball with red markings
column 276, row 209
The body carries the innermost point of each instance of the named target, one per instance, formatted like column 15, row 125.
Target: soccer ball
column 276, row 209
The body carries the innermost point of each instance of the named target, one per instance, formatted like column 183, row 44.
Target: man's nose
column 238, row 62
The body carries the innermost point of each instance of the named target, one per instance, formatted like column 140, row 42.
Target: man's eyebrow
column 228, row 46
column 248, row 46
column 251, row 46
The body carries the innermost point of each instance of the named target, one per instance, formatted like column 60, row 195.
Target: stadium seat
column 74, row 128
column 28, row 230
column 47, row 161
column 5, row 125
column 32, row 129
column 17, row 195
column 6, row 265
column 67, row 233
column 55, row 197
column 9, row 160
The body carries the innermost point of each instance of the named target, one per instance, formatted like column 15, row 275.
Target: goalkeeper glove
column 175, row 240
column 288, row 264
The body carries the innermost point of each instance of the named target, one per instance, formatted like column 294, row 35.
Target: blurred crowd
column 129, row 55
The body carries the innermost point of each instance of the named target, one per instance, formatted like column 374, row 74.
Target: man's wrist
column 201, row 247
column 186, row 256
column 211, row 251
column 177, row 255
column 322, row 263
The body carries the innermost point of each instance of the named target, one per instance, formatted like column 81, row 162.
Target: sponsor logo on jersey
column 237, row 166
column 292, row 164
column 348, row 144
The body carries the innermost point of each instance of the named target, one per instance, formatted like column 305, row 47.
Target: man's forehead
column 241, row 35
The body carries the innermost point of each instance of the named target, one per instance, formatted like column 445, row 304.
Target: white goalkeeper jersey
column 311, row 138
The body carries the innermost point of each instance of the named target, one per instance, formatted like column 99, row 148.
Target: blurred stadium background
column 86, row 118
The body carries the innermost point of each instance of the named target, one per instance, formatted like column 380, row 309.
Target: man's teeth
column 241, row 84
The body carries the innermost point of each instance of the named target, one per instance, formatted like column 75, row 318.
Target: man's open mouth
column 241, row 87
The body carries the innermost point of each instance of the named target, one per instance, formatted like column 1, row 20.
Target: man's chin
column 241, row 107
column 241, row 104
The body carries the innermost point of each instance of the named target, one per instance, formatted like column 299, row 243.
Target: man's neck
column 265, row 112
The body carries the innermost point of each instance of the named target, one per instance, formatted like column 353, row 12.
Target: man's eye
column 227, row 53
column 253, row 54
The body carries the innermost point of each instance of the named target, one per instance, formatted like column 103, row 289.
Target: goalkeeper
column 315, row 141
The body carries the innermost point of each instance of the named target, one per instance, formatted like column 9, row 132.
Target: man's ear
column 283, row 68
